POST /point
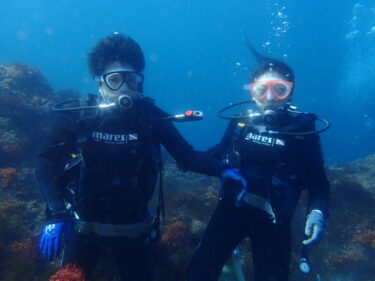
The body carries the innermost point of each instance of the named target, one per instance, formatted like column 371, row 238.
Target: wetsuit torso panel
column 115, row 157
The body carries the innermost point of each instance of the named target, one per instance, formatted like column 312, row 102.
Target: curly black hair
column 116, row 47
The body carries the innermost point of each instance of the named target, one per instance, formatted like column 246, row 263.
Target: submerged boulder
column 25, row 101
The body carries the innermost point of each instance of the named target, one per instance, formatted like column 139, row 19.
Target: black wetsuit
column 277, row 167
column 117, row 177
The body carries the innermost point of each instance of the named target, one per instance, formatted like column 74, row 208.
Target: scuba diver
column 101, row 162
column 277, row 149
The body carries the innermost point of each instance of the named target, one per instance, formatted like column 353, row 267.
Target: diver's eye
column 259, row 90
column 114, row 80
column 281, row 89
column 131, row 81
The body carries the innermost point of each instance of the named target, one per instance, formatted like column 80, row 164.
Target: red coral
column 70, row 272
column 25, row 248
column 8, row 177
column 176, row 234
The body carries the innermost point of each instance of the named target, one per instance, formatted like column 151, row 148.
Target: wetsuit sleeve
column 317, row 182
column 52, row 153
column 185, row 155
column 222, row 147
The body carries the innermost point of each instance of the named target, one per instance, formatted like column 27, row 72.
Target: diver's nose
column 124, row 88
column 269, row 96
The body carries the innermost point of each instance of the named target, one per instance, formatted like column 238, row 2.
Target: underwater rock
column 366, row 237
column 348, row 245
column 23, row 91
column 25, row 101
column 197, row 228
column 8, row 177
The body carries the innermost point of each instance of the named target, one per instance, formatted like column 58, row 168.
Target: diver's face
column 270, row 90
column 119, row 79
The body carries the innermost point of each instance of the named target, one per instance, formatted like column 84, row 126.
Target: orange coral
column 8, row 177
column 176, row 234
column 367, row 237
column 25, row 248
column 70, row 272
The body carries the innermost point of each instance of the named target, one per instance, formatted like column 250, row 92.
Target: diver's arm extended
column 50, row 159
column 318, row 185
column 183, row 152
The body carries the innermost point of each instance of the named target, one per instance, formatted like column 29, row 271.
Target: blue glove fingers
column 242, row 180
column 57, row 243
column 43, row 247
column 50, row 250
column 41, row 244
column 234, row 175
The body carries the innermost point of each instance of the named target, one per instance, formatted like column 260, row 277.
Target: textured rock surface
column 25, row 101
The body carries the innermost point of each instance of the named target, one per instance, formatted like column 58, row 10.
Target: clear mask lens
column 259, row 90
column 115, row 80
column 279, row 89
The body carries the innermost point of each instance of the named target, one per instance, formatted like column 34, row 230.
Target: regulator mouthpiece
column 124, row 101
column 269, row 115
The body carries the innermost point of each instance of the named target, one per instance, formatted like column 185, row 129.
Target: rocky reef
column 25, row 101
column 347, row 253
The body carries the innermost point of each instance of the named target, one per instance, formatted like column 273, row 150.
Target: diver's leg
column 83, row 250
column 280, row 251
column 271, row 251
column 135, row 259
column 222, row 235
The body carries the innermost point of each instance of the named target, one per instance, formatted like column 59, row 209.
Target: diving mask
column 280, row 89
column 114, row 80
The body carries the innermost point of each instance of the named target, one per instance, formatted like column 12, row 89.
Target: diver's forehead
column 118, row 66
column 269, row 76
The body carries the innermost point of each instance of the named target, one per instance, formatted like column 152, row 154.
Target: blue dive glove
column 54, row 235
column 234, row 176
column 314, row 227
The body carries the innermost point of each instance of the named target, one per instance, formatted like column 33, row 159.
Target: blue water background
column 197, row 59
